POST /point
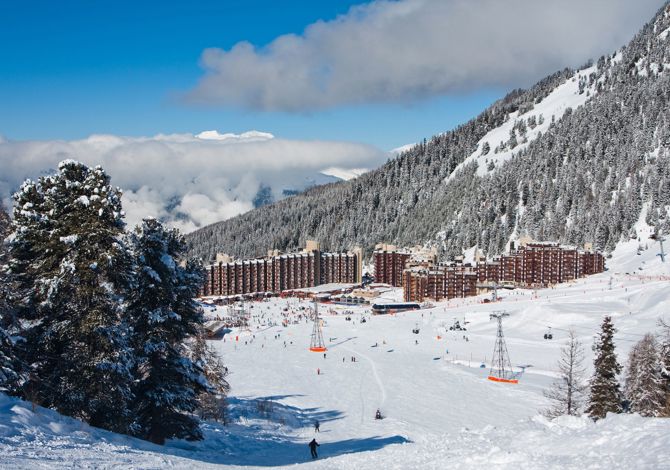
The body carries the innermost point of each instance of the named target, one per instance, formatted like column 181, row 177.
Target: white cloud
column 399, row 51
column 188, row 181
column 245, row 136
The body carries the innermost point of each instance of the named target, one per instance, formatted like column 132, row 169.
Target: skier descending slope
column 312, row 448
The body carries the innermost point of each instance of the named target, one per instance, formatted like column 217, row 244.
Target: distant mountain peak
column 344, row 174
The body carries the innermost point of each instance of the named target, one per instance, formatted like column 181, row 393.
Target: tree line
column 646, row 384
column 97, row 322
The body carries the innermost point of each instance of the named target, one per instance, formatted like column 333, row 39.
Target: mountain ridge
column 583, row 179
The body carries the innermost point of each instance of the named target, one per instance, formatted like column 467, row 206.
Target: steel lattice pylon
column 501, row 367
column 317, row 344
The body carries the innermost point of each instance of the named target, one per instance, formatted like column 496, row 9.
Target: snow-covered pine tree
column 164, row 315
column 631, row 374
column 9, row 364
column 4, row 222
column 211, row 402
column 567, row 393
column 664, row 360
column 71, row 268
column 11, row 367
column 644, row 383
column 9, row 376
column 605, row 394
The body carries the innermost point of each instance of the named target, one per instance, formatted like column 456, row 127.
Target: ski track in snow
column 373, row 366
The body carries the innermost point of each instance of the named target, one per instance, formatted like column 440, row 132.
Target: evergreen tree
column 664, row 360
column 212, row 401
column 568, row 390
column 163, row 316
column 631, row 373
column 9, row 364
column 644, row 383
column 605, row 395
column 70, row 268
column 12, row 368
column 4, row 223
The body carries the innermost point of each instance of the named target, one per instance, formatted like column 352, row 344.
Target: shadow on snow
column 267, row 433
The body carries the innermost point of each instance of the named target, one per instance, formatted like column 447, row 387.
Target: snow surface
column 555, row 104
column 440, row 411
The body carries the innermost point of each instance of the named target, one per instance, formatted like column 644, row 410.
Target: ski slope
column 440, row 411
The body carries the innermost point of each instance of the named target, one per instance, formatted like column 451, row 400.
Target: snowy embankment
column 48, row 440
column 440, row 411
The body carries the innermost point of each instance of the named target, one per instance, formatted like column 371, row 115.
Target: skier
column 378, row 414
column 316, row 426
column 312, row 447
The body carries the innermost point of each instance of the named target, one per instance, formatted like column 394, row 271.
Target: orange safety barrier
column 507, row 381
column 318, row 349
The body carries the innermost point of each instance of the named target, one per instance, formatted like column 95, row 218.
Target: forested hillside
column 4, row 222
column 581, row 174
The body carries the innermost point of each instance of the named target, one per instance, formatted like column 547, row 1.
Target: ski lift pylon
column 501, row 367
column 317, row 344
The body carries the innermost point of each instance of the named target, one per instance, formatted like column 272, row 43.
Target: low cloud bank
column 188, row 180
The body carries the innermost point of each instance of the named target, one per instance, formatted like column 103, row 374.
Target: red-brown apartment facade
column 535, row 264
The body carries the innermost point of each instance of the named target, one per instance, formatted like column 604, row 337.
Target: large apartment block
column 390, row 264
column 447, row 281
column 534, row 264
column 280, row 272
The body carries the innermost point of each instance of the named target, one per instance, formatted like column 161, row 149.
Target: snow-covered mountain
column 574, row 159
column 524, row 125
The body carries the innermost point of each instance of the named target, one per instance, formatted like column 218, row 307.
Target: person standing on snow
column 316, row 426
column 312, row 447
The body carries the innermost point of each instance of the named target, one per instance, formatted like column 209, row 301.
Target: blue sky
column 74, row 68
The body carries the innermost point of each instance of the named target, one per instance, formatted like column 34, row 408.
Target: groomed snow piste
column 440, row 411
